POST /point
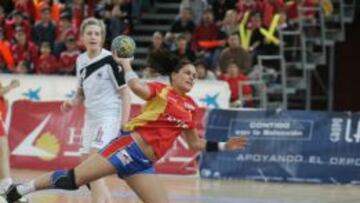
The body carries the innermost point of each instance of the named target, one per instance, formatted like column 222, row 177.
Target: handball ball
column 124, row 46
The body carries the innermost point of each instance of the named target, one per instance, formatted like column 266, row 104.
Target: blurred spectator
column 6, row 58
column 157, row 42
column 230, row 23
column 182, row 50
column 234, row 53
column 244, row 6
column 207, row 30
column 46, row 63
column 78, row 12
column 54, row 7
column 233, row 76
column 182, row 25
column 117, row 24
column 45, row 30
column 2, row 20
column 156, row 45
column 68, row 57
column 203, row 72
column 17, row 19
column 26, row 7
column 125, row 8
column 220, row 7
column 24, row 52
column 8, row 5
column 269, row 8
column 196, row 6
column 64, row 29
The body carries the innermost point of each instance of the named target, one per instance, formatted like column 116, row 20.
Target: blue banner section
column 294, row 146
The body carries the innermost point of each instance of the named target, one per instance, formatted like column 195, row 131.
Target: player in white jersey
column 102, row 89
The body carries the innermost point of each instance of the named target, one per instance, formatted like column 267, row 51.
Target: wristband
column 129, row 75
column 215, row 146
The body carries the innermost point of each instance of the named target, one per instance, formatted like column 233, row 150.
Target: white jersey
column 100, row 79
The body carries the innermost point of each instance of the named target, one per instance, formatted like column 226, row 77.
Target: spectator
column 17, row 19
column 196, row 6
column 234, row 53
column 54, row 6
column 220, row 7
column 203, row 72
column 24, row 52
column 64, row 29
column 230, row 23
column 45, row 29
column 68, row 57
column 78, row 12
column 46, row 63
column 2, row 18
column 183, row 51
column 157, row 45
column 182, row 25
column 117, row 24
column 6, row 59
column 27, row 8
column 244, row 6
column 207, row 30
column 233, row 76
column 157, row 42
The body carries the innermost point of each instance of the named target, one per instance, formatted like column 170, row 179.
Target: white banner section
column 211, row 94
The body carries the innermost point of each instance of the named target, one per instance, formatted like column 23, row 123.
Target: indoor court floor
column 190, row 189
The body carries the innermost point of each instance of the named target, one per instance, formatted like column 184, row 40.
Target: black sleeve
column 118, row 75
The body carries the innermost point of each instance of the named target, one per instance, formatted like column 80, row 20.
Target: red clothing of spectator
column 46, row 64
column 242, row 8
column 204, row 32
column 10, row 27
column 28, row 52
column 269, row 9
column 78, row 13
column 67, row 61
column 27, row 8
column 234, row 86
column 6, row 56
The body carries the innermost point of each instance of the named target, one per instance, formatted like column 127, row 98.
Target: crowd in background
column 221, row 37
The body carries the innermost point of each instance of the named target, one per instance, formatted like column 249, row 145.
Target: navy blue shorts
column 126, row 156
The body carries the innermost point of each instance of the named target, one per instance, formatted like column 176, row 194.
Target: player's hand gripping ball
column 124, row 46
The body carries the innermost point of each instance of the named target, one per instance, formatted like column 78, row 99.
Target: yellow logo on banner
column 49, row 143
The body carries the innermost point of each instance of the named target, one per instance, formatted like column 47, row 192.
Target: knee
column 64, row 180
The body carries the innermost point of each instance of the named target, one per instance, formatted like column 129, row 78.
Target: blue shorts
column 126, row 156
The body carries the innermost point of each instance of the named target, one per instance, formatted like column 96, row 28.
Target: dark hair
column 162, row 61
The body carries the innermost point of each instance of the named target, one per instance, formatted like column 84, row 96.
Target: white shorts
column 98, row 133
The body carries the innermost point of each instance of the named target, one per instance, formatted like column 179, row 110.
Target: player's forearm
column 125, row 105
column 5, row 89
column 79, row 98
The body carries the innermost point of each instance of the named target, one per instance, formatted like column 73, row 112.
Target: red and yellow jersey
column 164, row 117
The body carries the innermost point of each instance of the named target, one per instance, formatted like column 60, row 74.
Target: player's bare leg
column 141, row 184
column 5, row 180
column 100, row 193
column 81, row 175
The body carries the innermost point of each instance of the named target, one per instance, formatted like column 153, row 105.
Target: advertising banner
column 42, row 137
column 294, row 146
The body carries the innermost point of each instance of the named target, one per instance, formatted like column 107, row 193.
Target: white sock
column 26, row 188
column 5, row 184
